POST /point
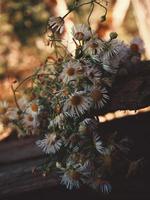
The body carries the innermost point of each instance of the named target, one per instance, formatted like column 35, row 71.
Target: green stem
column 88, row 20
column 27, row 78
column 102, row 7
column 15, row 98
column 83, row 4
column 77, row 7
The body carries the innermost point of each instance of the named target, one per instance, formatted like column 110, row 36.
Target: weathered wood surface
column 132, row 91
column 18, row 157
column 17, row 160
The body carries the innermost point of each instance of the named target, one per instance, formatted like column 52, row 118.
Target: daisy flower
column 81, row 32
column 93, row 46
column 77, row 103
column 90, row 123
column 71, row 179
column 33, row 108
column 81, row 70
column 135, row 59
column 56, row 24
column 83, row 129
column 111, row 49
column 29, row 121
column 69, row 72
column 23, row 102
column 57, row 121
column 98, row 144
column 93, row 74
column 30, row 115
column 137, row 45
column 103, row 185
column 12, row 113
column 85, row 169
column 50, row 144
column 99, row 96
column 3, row 107
column 106, row 159
column 111, row 65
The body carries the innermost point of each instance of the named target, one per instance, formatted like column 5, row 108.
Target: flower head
column 29, row 121
column 57, row 121
column 71, row 71
column 56, row 24
column 71, row 179
column 111, row 49
column 50, row 144
column 111, row 65
column 101, row 184
column 99, row 96
column 137, row 45
column 98, row 144
column 77, row 104
column 81, row 32
column 93, row 74
column 3, row 107
column 93, row 46
column 12, row 113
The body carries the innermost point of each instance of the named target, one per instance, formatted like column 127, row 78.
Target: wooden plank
column 17, row 177
column 131, row 91
column 18, row 157
column 18, row 150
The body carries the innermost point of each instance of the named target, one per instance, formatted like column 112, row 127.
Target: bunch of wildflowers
column 67, row 95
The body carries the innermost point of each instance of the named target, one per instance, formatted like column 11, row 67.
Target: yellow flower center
column 59, row 21
column 79, row 36
column 51, row 138
column 70, row 71
column 34, row 107
column 57, row 108
column 76, row 100
column 74, row 175
column 96, row 95
column 80, row 70
column 65, row 92
column 30, row 118
column 134, row 47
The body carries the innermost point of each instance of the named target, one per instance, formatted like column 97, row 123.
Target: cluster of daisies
column 67, row 95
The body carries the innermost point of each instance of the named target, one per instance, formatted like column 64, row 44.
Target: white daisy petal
column 49, row 144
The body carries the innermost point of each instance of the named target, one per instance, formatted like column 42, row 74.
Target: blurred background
column 23, row 23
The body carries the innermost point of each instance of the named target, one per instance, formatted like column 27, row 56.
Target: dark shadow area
column 137, row 128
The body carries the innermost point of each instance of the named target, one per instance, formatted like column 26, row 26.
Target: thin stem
column 15, row 98
column 27, row 78
column 77, row 7
column 90, row 2
column 102, row 7
column 88, row 20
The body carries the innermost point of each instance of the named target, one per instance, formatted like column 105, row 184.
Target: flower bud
column 103, row 18
column 113, row 35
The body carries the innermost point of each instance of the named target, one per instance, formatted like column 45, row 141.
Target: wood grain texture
column 17, row 160
column 18, row 157
column 132, row 90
